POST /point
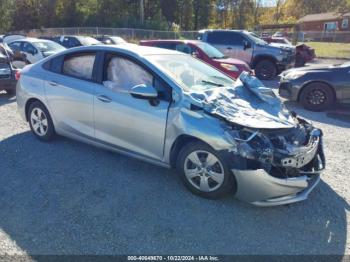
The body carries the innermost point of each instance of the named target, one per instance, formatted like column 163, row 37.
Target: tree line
column 158, row 14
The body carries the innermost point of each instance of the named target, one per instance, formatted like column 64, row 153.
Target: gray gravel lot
column 66, row 197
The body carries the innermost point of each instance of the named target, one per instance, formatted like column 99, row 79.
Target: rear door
column 121, row 120
column 231, row 44
column 69, row 90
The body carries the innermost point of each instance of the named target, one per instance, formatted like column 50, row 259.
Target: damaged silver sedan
column 168, row 108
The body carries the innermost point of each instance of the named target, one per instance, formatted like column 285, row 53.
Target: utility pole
column 142, row 12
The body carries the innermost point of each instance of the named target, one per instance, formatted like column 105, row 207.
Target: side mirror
column 144, row 92
column 246, row 45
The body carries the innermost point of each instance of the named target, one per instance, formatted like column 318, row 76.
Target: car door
column 32, row 53
column 18, row 55
column 218, row 39
column 241, row 47
column 231, row 44
column 69, row 91
column 123, row 121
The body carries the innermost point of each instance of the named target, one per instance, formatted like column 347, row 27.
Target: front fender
column 197, row 124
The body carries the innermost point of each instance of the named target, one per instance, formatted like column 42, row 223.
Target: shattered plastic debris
column 248, row 103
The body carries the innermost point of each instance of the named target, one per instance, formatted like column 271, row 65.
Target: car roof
column 222, row 30
column 171, row 41
column 31, row 40
column 133, row 49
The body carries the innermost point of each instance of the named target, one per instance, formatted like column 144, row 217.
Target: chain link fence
column 313, row 36
column 140, row 34
column 129, row 34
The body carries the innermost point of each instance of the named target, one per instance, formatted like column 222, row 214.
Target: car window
column 73, row 42
column 123, row 74
column 184, row 48
column 49, row 46
column 80, row 66
column 235, row 39
column 15, row 46
column 190, row 73
column 29, row 48
column 170, row 46
column 219, row 38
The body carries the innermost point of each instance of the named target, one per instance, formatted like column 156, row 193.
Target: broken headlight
column 251, row 144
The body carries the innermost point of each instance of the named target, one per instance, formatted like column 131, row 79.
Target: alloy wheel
column 204, row 171
column 316, row 97
column 39, row 121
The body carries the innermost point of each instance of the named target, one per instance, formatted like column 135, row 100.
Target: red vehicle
column 204, row 52
column 303, row 53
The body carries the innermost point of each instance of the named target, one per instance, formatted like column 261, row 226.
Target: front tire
column 317, row 97
column 40, row 122
column 204, row 172
column 265, row 70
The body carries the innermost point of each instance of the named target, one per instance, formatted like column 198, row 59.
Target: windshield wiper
column 212, row 83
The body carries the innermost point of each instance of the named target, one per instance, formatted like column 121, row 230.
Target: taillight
column 18, row 75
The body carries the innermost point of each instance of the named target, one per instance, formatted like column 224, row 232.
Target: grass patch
column 336, row 50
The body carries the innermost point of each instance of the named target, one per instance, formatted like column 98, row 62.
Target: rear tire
column 265, row 70
column 204, row 171
column 317, row 97
column 40, row 122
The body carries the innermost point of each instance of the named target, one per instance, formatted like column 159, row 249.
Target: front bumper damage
column 287, row 180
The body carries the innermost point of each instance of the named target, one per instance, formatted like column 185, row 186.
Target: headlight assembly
column 293, row 75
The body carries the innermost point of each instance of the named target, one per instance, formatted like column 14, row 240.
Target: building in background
column 328, row 22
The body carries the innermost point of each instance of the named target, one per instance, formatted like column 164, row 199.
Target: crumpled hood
column 248, row 103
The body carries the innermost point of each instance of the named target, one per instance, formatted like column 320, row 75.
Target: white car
column 34, row 49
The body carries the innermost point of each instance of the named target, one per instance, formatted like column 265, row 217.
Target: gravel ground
column 66, row 197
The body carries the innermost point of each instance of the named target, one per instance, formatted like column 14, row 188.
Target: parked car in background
column 205, row 52
column 34, row 49
column 74, row 41
column 110, row 40
column 317, row 88
column 267, row 61
column 7, row 72
column 303, row 54
column 170, row 109
column 280, row 34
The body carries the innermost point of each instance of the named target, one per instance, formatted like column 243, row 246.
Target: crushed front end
column 276, row 166
column 275, row 156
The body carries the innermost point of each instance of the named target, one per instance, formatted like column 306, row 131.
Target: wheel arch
column 178, row 144
column 317, row 81
column 29, row 102
column 260, row 58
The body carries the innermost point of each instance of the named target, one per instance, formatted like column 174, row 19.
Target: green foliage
column 158, row 14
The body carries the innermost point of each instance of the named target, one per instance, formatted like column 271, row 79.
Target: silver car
column 170, row 109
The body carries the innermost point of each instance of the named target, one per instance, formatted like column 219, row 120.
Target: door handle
column 104, row 99
column 52, row 83
column 229, row 48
